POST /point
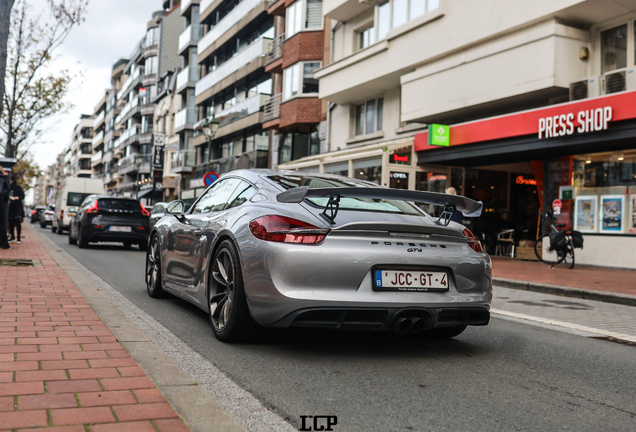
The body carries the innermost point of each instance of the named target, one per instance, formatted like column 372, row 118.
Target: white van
column 72, row 193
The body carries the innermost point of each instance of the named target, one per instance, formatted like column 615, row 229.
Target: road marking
column 618, row 336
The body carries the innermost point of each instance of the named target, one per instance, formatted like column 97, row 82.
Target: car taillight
column 472, row 240
column 93, row 209
column 62, row 214
column 34, row 212
column 144, row 212
column 282, row 229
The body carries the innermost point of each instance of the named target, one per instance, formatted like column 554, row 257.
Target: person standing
column 16, row 210
column 4, row 203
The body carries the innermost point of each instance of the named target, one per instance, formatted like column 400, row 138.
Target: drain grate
column 17, row 263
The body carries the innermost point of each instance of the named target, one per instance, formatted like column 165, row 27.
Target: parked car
column 157, row 212
column 285, row 248
column 47, row 216
column 73, row 191
column 37, row 213
column 102, row 218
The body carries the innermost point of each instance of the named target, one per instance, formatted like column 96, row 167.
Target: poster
column 612, row 213
column 585, row 214
column 632, row 227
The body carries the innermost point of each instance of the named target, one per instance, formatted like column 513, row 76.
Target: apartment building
column 110, row 159
column 79, row 153
column 166, row 155
column 99, row 126
column 233, row 87
column 525, row 105
column 294, row 112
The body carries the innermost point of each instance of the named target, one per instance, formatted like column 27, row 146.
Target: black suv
column 110, row 219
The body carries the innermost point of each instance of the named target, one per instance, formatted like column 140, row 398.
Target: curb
column 581, row 293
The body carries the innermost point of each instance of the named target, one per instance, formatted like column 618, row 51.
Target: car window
column 74, row 199
column 118, row 204
column 158, row 209
column 215, row 198
column 242, row 193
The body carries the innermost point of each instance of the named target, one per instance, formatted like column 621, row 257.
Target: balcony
column 244, row 108
column 97, row 138
column 96, row 159
column 128, row 164
column 129, row 82
column 189, row 75
column 99, row 119
column 190, row 36
column 185, row 5
column 131, row 131
column 185, row 119
column 255, row 50
column 126, row 109
column 271, row 109
column 183, row 161
column 233, row 17
column 276, row 49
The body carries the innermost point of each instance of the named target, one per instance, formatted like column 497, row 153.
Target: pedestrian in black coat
column 4, row 204
column 16, row 210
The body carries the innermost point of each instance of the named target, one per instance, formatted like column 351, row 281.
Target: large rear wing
column 451, row 203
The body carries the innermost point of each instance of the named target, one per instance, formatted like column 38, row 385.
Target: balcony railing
column 256, row 49
column 275, row 49
column 97, row 157
column 184, row 117
column 192, row 33
column 183, row 158
column 138, row 71
column 134, row 129
column 130, row 160
column 233, row 17
column 244, row 108
column 98, row 137
column 126, row 109
column 189, row 74
column 271, row 109
column 99, row 119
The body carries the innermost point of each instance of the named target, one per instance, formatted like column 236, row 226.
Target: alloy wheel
column 152, row 265
column 222, row 298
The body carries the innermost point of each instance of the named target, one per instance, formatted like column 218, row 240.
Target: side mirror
column 176, row 208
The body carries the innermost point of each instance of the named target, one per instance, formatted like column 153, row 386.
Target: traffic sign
column 556, row 206
column 210, row 177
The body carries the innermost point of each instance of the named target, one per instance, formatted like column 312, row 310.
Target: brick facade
column 303, row 46
column 300, row 110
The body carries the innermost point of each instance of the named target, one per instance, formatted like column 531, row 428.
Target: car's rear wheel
column 153, row 269
column 71, row 240
column 60, row 230
column 53, row 229
column 228, row 310
column 82, row 243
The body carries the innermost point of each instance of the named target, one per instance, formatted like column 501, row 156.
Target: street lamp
column 209, row 128
column 139, row 158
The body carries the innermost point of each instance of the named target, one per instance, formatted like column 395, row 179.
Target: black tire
column 53, row 229
column 71, row 240
column 82, row 243
column 42, row 225
column 569, row 255
column 153, row 269
column 227, row 305
column 127, row 245
column 444, row 332
column 538, row 248
column 60, row 230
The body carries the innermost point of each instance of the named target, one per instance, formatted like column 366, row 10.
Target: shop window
column 303, row 15
column 368, row 117
column 366, row 37
column 368, row 169
column 614, row 48
column 395, row 13
column 296, row 145
column 299, row 80
column 341, row 169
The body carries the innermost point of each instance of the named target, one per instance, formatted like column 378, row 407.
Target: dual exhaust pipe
column 411, row 325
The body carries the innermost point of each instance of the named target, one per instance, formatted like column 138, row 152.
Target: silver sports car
column 286, row 248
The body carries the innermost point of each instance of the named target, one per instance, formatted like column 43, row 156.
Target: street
column 508, row 375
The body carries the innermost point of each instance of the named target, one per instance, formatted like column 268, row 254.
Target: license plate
column 404, row 280
column 71, row 214
column 120, row 228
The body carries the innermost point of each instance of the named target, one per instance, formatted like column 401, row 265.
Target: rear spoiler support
column 451, row 203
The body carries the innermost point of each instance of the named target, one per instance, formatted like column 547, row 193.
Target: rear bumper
column 108, row 236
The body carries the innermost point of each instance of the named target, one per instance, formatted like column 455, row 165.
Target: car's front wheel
column 153, row 269
column 228, row 311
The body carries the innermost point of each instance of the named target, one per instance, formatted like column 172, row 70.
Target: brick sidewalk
column 59, row 364
column 586, row 277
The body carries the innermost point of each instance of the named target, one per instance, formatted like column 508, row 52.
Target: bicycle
column 561, row 242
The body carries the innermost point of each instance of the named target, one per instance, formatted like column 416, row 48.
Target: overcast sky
column 110, row 32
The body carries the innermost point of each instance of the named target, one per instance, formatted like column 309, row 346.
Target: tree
column 5, row 20
column 33, row 93
column 25, row 171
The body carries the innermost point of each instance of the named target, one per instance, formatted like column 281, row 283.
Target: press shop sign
column 592, row 120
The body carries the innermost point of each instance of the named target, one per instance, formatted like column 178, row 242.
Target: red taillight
column 287, row 230
column 34, row 212
column 472, row 240
column 144, row 212
column 62, row 214
column 93, row 209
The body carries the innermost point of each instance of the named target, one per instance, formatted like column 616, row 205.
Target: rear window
column 76, row 198
column 361, row 204
column 118, row 204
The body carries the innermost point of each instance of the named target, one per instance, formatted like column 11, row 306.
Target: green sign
column 438, row 135
column 566, row 192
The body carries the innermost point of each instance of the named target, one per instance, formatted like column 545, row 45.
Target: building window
column 150, row 66
column 366, row 37
column 614, row 48
column 395, row 13
column 368, row 117
column 152, row 36
column 303, row 15
column 296, row 145
column 299, row 79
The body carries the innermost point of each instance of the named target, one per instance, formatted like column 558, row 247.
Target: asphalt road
column 506, row 376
